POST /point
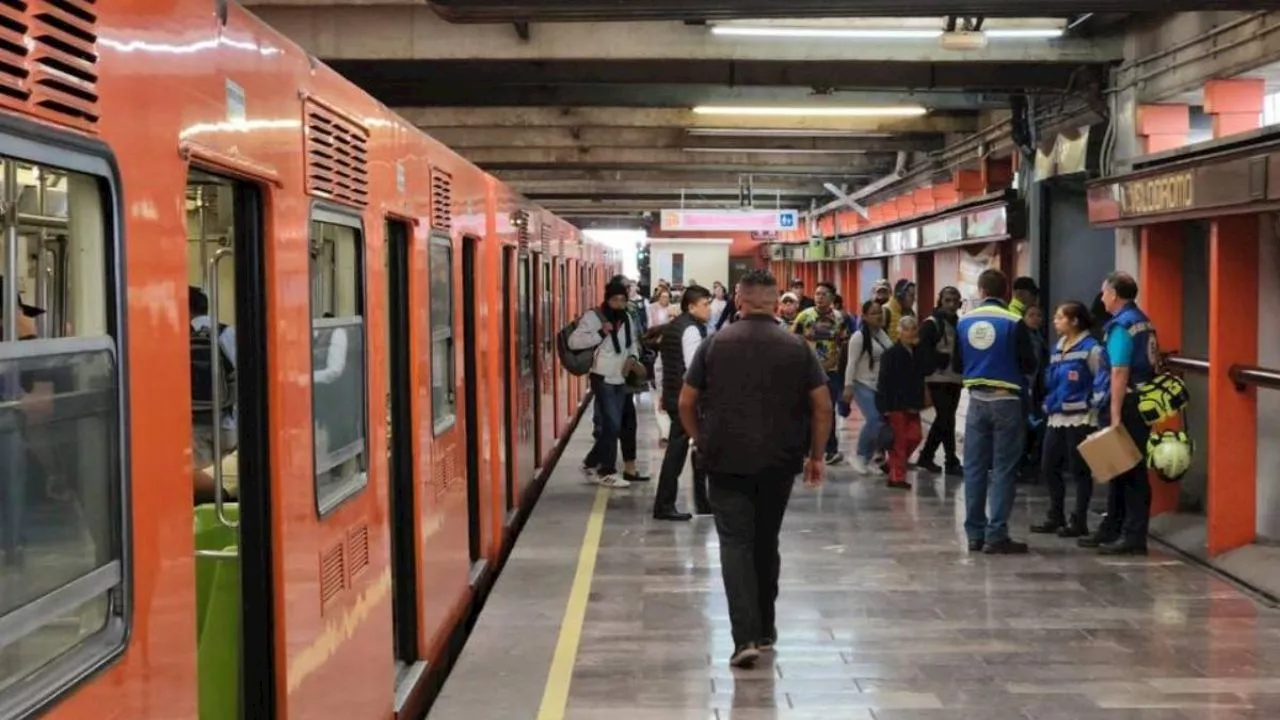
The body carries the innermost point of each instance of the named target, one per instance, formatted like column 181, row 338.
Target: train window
column 524, row 315
column 444, row 402
column 63, row 591
column 338, row 380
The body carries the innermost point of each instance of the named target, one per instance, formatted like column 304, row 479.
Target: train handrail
column 1241, row 375
column 1246, row 375
column 1187, row 364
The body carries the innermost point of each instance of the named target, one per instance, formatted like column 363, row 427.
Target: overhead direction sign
column 758, row 221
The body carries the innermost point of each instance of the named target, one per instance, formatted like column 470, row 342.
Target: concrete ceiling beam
column 463, row 139
column 643, row 205
column 626, row 193
column 429, row 119
column 391, row 32
column 562, row 179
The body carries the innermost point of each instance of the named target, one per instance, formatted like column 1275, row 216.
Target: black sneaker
column 1006, row 547
column 1097, row 539
column 834, row 458
column 929, row 466
column 745, row 656
column 1048, row 527
column 671, row 514
column 635, row 477
column 1123, row 547
column 955, row 469
column 976, row 545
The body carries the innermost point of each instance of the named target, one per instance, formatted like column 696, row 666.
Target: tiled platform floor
column 883, row 614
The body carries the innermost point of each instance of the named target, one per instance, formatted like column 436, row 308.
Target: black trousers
column 946, row 400
column 1129, row 495
column 673, row 465
column 748, row 511
column 1060, row 457
column 613, row 421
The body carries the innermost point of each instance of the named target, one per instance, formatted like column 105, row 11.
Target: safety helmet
column 1161, row 398
column 1170, row 453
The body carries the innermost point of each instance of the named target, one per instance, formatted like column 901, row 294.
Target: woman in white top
column 719, row 303
column 861, row 373
column 660, row 309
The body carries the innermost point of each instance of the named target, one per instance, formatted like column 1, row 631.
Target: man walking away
column 937, row 345
column 994, row 353
column 680, row 339
column 756, row 400
column 1133, row 356
column 824, row 327
column 608, row 328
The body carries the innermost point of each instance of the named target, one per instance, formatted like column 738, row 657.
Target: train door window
column 339, row 405
column 546, row 307
column 524, row 315
column 63, row 447
column 444, row 400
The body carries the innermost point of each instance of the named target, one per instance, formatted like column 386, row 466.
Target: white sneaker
column 613, row 481
column 859, row 465
column 874, row 471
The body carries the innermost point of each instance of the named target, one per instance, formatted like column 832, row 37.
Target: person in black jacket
column 937, row 344
column 901, row 396
column 680, row 339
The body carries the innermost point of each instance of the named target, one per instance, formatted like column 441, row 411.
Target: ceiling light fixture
column 814, row 111
column 782, row 132
column 816, row 32
column 1024, row 33
column 773, row 151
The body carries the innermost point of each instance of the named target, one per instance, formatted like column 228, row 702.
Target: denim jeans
column 835, row 385
column 994, row 434
column 610, row 406
column 865, row 398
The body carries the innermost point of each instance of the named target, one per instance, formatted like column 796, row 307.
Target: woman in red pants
column 901, row 396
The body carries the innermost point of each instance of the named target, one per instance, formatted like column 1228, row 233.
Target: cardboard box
column 1110, row 452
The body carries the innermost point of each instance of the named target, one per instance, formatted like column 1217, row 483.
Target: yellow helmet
column 1170, row 454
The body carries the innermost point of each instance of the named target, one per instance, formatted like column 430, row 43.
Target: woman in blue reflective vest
column 1077, row 375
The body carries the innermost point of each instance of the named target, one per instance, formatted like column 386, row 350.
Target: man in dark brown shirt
column 755, row 399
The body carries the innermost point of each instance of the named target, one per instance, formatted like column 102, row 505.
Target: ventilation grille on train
column 49, row 60
column 441, row 199
column 333, row 574
column 520, row 219
column 358, row 550
column 337, row 157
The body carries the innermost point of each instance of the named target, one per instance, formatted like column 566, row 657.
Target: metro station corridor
column 882, row 614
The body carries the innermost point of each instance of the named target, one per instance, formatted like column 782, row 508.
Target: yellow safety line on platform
column 555, row 698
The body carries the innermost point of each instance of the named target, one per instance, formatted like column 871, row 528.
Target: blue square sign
column 787, row 219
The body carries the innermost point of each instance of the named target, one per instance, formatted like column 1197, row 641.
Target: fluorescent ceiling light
column 773, row 151
column 782, row 132
column 1024, row 33
column 815, row 32
column 814, row 111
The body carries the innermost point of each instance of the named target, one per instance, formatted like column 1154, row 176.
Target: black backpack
column 577, row 362
column 203, row 344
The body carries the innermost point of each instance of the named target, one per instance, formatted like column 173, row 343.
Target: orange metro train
column 382, row 403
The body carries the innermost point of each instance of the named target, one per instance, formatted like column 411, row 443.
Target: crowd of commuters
column 772, row 371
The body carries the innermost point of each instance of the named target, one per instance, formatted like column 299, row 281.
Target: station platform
column 603, row 613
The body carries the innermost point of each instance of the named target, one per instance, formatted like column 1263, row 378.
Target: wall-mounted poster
column 974, row 259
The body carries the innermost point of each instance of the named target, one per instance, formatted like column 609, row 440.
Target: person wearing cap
column 1025, row 294
column 788, row 309
column 797, row 289
column 608, row 329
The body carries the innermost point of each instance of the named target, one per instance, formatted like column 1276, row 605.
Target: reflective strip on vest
column 1067, row 357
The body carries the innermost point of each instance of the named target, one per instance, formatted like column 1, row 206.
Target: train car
column 277, row 374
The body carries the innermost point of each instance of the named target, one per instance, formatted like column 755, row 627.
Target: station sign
column 753, row 221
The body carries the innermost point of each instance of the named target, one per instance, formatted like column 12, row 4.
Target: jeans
column 617, row 412
column 835, row 385
column 906, row 436
column 748, row 511
column 865, row 398
column 994, row 433
column 1129, row 495
column 1059, row 457
column 946, row 400
column 673, row 465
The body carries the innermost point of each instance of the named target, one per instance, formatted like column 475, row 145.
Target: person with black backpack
column 607, row 332
column 862, row 372
column 202, row 401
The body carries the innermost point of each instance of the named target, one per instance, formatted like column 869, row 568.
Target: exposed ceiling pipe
column 900, row 169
